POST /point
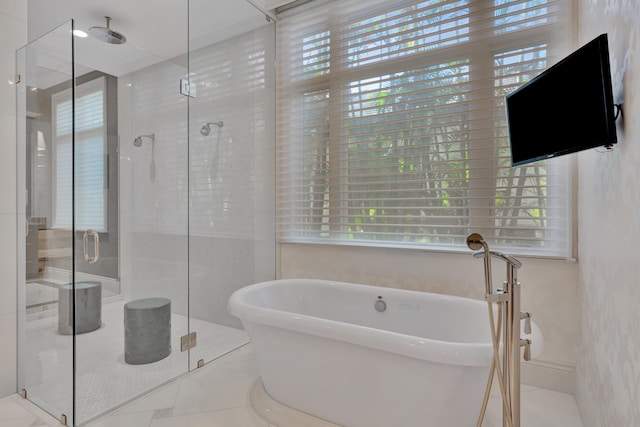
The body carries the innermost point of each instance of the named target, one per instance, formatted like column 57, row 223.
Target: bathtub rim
column 451, row 353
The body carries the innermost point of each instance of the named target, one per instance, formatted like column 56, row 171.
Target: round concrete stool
column 147, row 330
column 88, row 307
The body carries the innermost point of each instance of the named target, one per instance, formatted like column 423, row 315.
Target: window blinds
column 392, row 129
column 90, row 147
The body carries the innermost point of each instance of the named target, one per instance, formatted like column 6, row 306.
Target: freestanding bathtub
column 323, row 348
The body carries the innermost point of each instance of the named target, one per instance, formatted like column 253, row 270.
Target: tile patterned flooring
column 103, row 379
column 217, row 395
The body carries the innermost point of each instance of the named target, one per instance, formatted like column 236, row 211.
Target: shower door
column 103, row 203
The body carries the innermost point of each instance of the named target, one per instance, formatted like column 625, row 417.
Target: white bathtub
column 323, row 349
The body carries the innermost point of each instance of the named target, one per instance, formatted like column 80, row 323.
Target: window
column 392, row 129
column 90, row 149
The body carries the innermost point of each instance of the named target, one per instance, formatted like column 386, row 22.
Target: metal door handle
column 96, row 246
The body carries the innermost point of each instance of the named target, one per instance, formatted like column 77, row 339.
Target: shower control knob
column 380, row 305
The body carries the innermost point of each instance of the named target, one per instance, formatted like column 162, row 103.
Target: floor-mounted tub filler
column 368, row 356
column 510, row 324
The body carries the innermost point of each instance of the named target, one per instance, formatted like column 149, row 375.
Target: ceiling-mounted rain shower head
column 206, row 128
column 106, row 34
column 138, row 141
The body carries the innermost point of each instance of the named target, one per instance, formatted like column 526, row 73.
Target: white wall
column 608, row 385
column 13, row 33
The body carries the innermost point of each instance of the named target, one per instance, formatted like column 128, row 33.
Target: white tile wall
column 8, row 157
column 8, row 353
column 230, row 175
column 13, row 33
column 8, row 261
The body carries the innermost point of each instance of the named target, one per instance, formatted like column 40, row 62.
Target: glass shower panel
column 132, row 216
column 146, row 197
column 45, row 241
column 232, row 166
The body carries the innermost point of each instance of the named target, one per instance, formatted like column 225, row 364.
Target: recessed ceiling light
column 79, row 33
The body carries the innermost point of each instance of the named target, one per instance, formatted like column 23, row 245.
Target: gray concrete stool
column 88, row 307
column 147, row 330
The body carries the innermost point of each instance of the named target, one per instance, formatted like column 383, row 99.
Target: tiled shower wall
column 13, row 33
column 217, row 188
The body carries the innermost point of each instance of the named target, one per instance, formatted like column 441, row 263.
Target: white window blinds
column 392, row 129
column 90, row 149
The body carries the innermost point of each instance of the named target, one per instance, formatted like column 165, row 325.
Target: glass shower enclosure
column 145, row 198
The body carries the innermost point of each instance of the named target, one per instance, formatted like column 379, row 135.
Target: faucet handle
column 527, row 322
column 527, row 349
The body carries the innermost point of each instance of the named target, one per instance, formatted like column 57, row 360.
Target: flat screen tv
column 567, row 108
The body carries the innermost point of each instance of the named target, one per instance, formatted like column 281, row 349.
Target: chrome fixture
column 508, row 300
column 206, row 128
column 506, row 258
column 475, row 242
column 96, row 246
column 138, row 141
column 380, row 305
column 106, row 34
column 188, row 341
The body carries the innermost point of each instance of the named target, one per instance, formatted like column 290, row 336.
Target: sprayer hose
column 495, row 369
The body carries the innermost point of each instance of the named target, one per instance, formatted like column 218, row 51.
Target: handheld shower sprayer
column 476, row 242
column 205, row 130
column 138, row 141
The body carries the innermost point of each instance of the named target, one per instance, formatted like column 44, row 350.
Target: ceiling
column 156, row 30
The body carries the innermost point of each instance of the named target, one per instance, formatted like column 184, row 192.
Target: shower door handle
column 96, row 246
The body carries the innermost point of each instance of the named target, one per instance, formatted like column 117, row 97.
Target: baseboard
column 555, row 376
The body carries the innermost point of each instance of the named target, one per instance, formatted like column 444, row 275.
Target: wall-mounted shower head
column 152, row 166
column 106, row 34
column 206, row 128
column 138, row 141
